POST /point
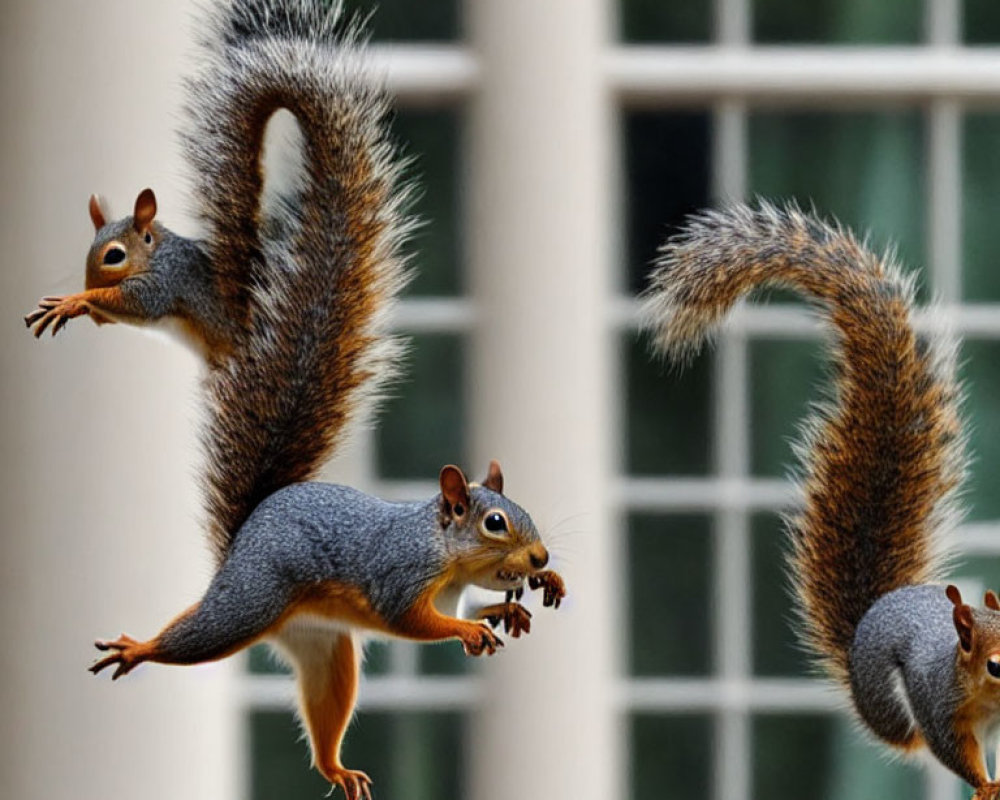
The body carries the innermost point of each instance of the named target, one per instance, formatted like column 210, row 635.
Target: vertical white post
column 542, row 403
column 100, row 508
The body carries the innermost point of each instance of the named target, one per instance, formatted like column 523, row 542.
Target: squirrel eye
column 148, row 238
column 115, row 255
column 494, row 522
column 993, row 665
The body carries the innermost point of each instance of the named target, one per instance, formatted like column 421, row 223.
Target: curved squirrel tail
column 883, row 459
column 323, row 269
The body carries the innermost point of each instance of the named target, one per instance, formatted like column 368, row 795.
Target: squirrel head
column 122, row 247
column 492, row 541
column 978, row 645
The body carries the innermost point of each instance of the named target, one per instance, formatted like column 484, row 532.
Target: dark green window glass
column 666, row 178
column 776, row 648
column 979, row 571
column 406, row 20
column 416, row 771
column 669, row 578
column 980, row 182
column 422, row 427
column 667, row 412
column 432, row 137
column 864, row 168
column 981, row 22
column 671, row 757
column 446, row 658
column 785, row 376
column 658, row 21
column 838, row 21
column 981, row 372
column 827, row 754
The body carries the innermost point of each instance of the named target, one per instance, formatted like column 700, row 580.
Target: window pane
column 402, row 753
column 405, row 20
column 668, row 412
column 776, row 648
column 432, row 137
column 784, row 378
column 667, row 176
column 674, row 752
column 982, row 22
column 981, row 372
column 981, row 234
column 838, row 21
column 669, row 604
column 657, row 21
column 828, row 755
column 422, row 427
column 865, row 168
column 446, row 658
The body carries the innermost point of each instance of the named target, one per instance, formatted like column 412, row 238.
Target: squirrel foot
column 356, row 784
column 516, row 618
column 478, row 639
column 59, row 310
column 129, row 654
column 555, row 587
column 987, row 791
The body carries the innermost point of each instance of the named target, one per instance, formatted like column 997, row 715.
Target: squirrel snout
column 539, row 557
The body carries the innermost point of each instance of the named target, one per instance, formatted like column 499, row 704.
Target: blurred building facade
column 557, row 143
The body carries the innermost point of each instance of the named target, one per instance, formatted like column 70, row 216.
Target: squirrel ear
column 962, row 616
column 96, row 214
column 494, row 478
column 145, row 210
column 455, row 489
column 991, row 600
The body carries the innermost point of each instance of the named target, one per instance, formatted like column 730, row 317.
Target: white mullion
column 978, row 320
column 732, row 22
column 731, row 555
column 943, row 22
column 807, row 76
column 944, row 205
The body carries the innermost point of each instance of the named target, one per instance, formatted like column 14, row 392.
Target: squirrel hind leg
column 327, row 665
column 887, row 714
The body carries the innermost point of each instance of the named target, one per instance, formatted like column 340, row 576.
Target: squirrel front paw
column 59, row 310
column 478, row 639
column 555, row 587
column 128, row 654
column 516, row 618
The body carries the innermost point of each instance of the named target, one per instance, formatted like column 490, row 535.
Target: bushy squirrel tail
column 883, row 458
column 324, row 267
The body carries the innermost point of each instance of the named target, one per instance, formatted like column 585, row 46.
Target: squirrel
column 289, row 307
column 882, row 462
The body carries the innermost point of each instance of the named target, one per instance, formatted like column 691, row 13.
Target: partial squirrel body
column 288, row 303
column 881, row 463
column 316, row 553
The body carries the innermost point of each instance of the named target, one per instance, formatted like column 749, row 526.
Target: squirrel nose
column 540, row 559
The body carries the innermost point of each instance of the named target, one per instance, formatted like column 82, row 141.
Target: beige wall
column 99, row 530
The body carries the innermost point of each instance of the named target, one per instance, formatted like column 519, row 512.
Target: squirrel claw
column 987, row 791
column 480, row 639
column 516, row 618
column 553, row 584
column 127, row 656
column 356, row 784
column 54, row 309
